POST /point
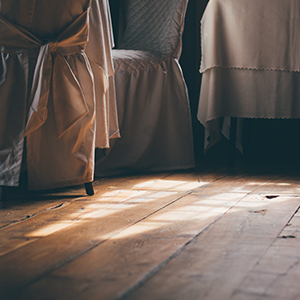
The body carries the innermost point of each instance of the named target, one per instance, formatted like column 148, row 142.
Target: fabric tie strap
column 68, row 97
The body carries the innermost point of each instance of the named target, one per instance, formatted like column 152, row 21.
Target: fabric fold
column 252, row 35
column 55, row 60
column 250, row 63
column 51, row 64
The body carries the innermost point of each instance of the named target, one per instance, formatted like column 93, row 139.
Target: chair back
column 155, row 25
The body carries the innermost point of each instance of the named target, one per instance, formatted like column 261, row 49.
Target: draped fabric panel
column 152, row 98
column 48, row 85
column 13, row 104
column 250, row 63
column 251, row 34
column 154, row 117
column 98, row 50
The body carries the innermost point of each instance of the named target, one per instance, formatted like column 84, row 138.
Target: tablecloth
column 250, row 62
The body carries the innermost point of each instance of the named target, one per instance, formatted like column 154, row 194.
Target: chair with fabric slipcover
column 47, row 93
column 152, row 99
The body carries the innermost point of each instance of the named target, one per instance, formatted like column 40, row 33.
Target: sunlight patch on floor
column 178, row 185
column 49, row 229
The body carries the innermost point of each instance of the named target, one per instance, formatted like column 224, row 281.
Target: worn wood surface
column 179, row 235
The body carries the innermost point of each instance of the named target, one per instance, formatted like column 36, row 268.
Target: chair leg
column 247, row 139
column 232, row 142
column 3, row 195
column 89, row 188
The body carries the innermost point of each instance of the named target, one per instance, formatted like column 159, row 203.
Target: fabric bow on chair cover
column 49, row 91
column 51, row 63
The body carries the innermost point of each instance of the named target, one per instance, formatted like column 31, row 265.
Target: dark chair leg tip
column 89, row 188
column 3, row 196
column 232, row 142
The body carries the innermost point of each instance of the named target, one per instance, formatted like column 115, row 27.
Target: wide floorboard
column 205, row 234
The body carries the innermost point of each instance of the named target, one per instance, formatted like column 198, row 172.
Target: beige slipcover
column 152, row 99
column 250, row 63
column 48, row 71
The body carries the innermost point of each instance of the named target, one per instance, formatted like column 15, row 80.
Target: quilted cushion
column 155, row 25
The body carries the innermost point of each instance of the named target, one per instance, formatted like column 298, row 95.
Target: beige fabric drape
column 98, row 50
column 153, row 103
column 43, row 46
column 250, row 63
column 252, row 34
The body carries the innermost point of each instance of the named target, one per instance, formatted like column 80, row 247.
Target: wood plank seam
column 173, row 256
column 240, row 290
column 97, row 244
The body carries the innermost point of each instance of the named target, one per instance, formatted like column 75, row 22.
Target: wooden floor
column 190, row 235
